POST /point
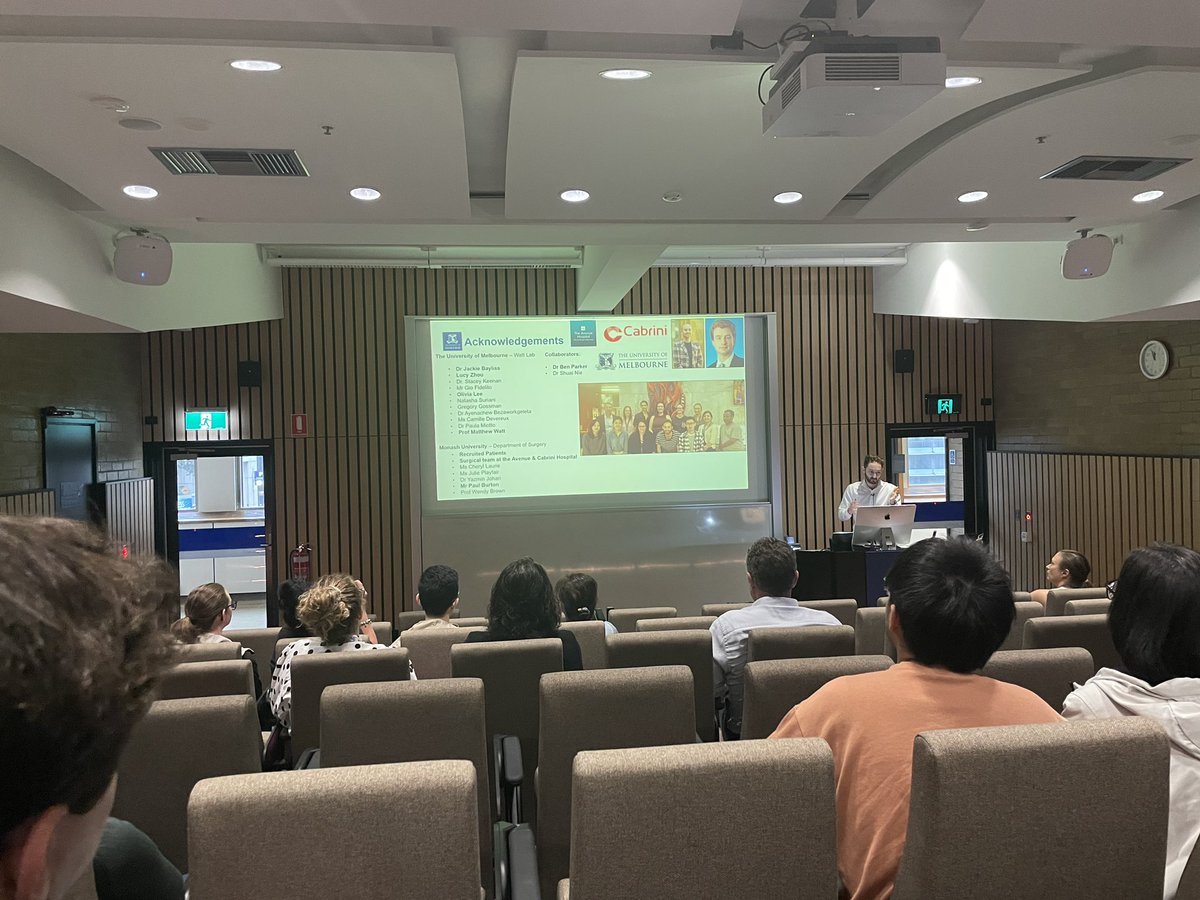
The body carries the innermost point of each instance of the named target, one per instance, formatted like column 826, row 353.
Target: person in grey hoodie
column 1155, row 624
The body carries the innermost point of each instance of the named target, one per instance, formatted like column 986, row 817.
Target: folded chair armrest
column 523, row 883
column 309, row 759
column 510, row 773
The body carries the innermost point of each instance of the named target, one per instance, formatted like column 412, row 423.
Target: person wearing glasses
column 1155, row 624
column 207, row 612
column 1066, row 569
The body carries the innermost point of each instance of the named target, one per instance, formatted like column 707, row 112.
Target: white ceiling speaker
column 1088, row 256
column 142, row 258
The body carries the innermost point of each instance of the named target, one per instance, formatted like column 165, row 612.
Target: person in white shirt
column 1155, row 625
column 771, row 574
column 437, row 595
column 871, row 491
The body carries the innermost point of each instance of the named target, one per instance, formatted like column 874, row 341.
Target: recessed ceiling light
column 979, row 225
column 672, row 197
column 877, row 89
column 1147, row 196
column 574, row 195
column 972, row 196
column 140, row 191
column 365, row 193
column 135, row 124
column 957, row 81
column 626, row 74
column 851, row 114
column 256, row 65
column 789, row 197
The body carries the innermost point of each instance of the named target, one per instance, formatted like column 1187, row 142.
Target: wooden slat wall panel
column 29, row 503
column 1102, row 506
column 338, row 355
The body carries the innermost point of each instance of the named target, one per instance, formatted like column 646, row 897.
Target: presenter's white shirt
column 862, row 492
column 726, row 364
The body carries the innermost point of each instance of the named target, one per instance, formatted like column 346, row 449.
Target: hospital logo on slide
column 614, row 333
column 583, row 332
column 452, row 340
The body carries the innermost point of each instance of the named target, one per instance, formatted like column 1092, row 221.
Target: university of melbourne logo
column 605, row 362
column 451, row 340
column 583, row 333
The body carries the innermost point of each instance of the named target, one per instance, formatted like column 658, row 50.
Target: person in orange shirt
column 950, row 608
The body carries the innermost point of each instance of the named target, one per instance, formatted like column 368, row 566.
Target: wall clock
column 1154, row 359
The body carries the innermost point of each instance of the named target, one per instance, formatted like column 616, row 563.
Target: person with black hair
column 523, row 606
column 289, row 597
column 437, row 595
column 576, row 595
column 950, row 608
column 1155, row 625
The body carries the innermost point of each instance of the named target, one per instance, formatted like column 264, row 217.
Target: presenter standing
column 871, row 491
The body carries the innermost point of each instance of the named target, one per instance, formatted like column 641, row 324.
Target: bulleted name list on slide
column 529, row 407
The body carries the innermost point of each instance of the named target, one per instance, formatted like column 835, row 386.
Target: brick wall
column 98, row 374
column 1076, row 388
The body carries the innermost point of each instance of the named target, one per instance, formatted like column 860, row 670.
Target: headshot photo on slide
column 724, row 343
column 687, row 351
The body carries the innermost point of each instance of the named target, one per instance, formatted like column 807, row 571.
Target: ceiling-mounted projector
column 142, row 258
column 1088, row 256
column 841, row 86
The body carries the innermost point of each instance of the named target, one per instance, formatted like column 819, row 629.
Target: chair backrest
column 262, row 641
column 1022, row 597
column 282, row 643
column 673, row 648
column 870, row 632
column 206, row 652
column 383, row 631
column 312, row 674
column 1057, row 599
column 210, row 678
column 1089, row 632
column 178, row 743
column 402, row 807
column 1092, row 606
column 407, row 619
column 774, row 686
column 844, row 610
column 601, row 710
column 411, row 721
column 510, row 672
column 1073, row 778
column 429, row 649
column 681, row 623
column 472, row 622
column 629, row 808
column 719, row 609
column 1051, row 673
column 1025, row 610
column 591, row 642
column 625, row 620
column 800, row 642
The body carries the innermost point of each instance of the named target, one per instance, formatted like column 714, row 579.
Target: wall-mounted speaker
column 903, row 362
column 249, row 373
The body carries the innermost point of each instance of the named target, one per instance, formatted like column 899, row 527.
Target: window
column 185, row 488
column 252, row 495
column 924, row 478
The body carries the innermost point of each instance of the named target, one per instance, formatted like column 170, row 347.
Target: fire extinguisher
column 299, row 560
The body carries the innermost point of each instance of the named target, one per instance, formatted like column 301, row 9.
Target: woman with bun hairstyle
column 1066, row 569
column 334, row 611
column 577, row 596
column 207, row 612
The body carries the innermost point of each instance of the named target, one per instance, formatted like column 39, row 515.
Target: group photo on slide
column 662, row 417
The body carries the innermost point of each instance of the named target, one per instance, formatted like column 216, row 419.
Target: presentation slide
column 548, row 407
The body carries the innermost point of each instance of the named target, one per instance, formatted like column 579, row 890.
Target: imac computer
column 884, row 527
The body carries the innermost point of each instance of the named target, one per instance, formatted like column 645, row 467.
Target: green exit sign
column 206, row 420
column 943, row 404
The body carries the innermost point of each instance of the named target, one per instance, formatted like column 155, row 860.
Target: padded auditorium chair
column 843, row 610
column 774, row 686
column 591, row 642
column 207, row 679
column 1089, row 632
column 800, row 642
column 410, row 721
column 177, row 744
column 630, row 807
column 719, row 609
column 682, row 623
column 987, row 804
column 429, row 649
column 1025, row 610
column 262, row 642
column 407, row 619
column 1051, row 673
column 673, row 648
column 1058, row 598
column 1093, row 606
column 625, row 620
column 324, row 819
column 185, row 653
column 601, row 710
column 870, row 632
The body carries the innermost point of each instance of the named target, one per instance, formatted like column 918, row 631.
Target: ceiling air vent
column 1115, row 168
column 215, row 161
column 859, row 67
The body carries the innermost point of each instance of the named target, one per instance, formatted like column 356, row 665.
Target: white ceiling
column 1152, row 23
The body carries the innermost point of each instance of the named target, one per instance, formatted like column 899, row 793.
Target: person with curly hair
column 523, row 606
column 81, row 649
column 334, row 609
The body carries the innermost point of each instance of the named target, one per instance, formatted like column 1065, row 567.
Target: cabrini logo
column 614, row 333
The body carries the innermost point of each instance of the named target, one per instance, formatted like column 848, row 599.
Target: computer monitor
column 884, row 526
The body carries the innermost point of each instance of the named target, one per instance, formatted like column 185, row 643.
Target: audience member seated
column 576, row 595
column 80, row 652
column 289, row 596
column 1155, row 624
column 207, row 612
column 1066, row 569
column 334, row 610
column 523, row 606
column 771, row 573
column 128, row 866
column 437, row 595
column 951, row 608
